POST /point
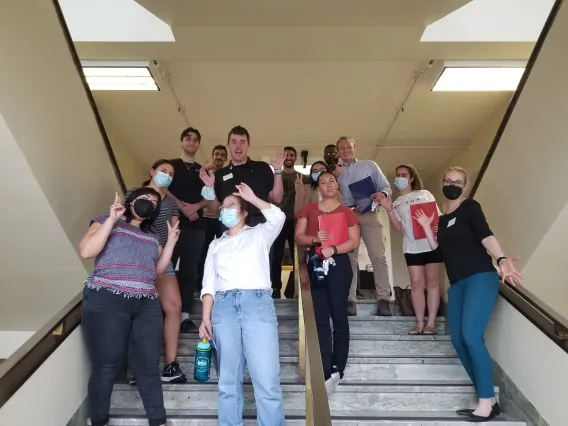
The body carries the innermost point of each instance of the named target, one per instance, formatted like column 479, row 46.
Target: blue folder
column 361, row 192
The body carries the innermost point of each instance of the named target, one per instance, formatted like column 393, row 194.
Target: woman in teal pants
column 467, row 246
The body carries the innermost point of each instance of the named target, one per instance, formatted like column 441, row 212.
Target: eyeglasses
column 452, row 182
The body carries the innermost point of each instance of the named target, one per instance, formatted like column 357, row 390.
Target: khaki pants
column 372, row 234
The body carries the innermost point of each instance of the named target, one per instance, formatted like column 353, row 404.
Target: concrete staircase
column 391, row 379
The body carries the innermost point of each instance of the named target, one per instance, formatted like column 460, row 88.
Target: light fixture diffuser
column 303, row 170
column 119, row 78
column 488, row 76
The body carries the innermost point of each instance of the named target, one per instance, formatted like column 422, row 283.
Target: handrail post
column 301, row 328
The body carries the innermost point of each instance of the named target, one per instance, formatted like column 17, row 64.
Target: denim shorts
column 170, row 270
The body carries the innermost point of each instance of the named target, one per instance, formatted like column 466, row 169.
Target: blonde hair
column 347, row 138
column 459, row 170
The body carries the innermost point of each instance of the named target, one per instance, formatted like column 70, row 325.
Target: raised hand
column 509, row 272
column 277, row 160
column 298, row 180
column 173, row 233
column 207, row 178
column 422, row 219
column 383, row 200
column 245, row 192
column 117, row 209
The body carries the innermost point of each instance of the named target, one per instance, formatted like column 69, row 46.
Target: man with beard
column 290, row 179
column 186, row 190
column 331, row 157
column 213, row 227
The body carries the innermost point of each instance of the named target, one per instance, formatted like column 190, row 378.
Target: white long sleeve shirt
column 240, row 261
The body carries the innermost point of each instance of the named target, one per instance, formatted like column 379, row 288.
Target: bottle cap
column 204, row 345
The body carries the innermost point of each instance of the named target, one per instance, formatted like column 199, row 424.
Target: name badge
column 227, row 177
column 451, row 222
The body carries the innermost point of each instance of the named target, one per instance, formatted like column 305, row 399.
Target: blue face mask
column 400, row 183
column 229, row 217
column 163, row 180
column 315, row 176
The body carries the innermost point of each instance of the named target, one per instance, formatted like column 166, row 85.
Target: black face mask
column 144, row 208
column 452, row 192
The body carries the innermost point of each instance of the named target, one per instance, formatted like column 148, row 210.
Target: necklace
column 337, row 204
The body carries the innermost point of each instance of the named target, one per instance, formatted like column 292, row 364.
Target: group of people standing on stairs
column 133, row 299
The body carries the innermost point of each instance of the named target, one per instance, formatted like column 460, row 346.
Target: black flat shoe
column 469, row 411
column 480, row 419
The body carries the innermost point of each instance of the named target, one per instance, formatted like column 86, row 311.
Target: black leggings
column 330, row 300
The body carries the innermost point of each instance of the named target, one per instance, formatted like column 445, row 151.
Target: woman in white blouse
column 423, row 263
column 238, row 310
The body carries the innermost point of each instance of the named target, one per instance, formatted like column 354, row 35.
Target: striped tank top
column 127, row 264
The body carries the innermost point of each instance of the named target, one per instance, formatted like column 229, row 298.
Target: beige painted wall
column 524, row 197
column 133, row 171
column 69, row 368
column 58, row 168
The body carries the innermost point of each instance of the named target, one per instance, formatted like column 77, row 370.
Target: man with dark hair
column 290, row 179
column 213, row 228
column 265, row 183
column 186, row 190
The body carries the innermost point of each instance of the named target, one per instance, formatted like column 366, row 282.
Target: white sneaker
column 332, row 382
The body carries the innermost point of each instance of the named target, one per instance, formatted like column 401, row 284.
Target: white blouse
column 241, row 261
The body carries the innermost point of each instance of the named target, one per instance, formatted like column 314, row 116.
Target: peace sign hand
column 173, row 233
column 298, row 180
column 117, row 209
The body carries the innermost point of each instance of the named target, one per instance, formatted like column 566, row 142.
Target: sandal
column 416, row 331
column 429, row 331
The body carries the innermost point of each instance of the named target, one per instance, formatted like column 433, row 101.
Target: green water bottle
column 202, row 364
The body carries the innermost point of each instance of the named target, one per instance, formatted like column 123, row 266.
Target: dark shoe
column 360, row 295
column 469, row 411
column 352, row 309
column 384, row 308
column 277, row 294
column 187, row 326
column 480, row 419
column 173, row 374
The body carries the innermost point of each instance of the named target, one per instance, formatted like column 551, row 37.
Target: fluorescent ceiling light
column 303, row 170
column 119, row 77
column 479, row 79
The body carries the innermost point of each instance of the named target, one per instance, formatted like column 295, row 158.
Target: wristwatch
column 334, row 250
column 277, row 171
column 501, row 259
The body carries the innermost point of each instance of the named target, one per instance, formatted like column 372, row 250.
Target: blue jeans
column 110, row 323
column 470, row 303
column 245, row 331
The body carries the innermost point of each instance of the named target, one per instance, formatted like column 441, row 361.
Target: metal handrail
column 30, row 356
column 550, row 322
column 311, row 370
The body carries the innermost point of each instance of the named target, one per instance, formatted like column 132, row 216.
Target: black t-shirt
column 459, row 237
column 256, row 174
column 186, row 186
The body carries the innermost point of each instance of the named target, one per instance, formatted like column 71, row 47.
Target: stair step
column 136, row 417
column 364, row 370
column 357, row 325
column 346, row 398
column 390, row 346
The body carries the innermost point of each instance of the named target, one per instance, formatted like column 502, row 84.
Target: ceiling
column 301, row 73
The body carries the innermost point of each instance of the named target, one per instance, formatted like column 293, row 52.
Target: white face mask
column 401, row 183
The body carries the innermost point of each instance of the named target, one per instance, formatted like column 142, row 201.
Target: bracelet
column 502, row 258
column 277, row 171
column 334, row 250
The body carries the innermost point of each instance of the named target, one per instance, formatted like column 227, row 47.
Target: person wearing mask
column 423, row 263
column 238, row 310
column 213, row 227
column 352, row 172
column 120, row 301
column 185, row 189
column 161, row 175
column 330, row 298
column 290, row 180
column 266, row 184
column 468, row 245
